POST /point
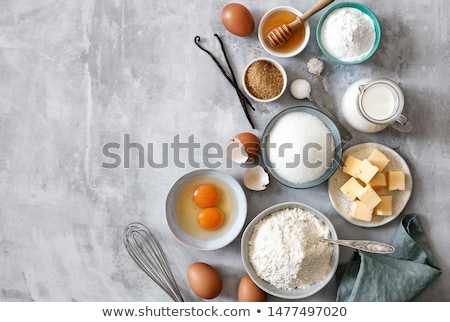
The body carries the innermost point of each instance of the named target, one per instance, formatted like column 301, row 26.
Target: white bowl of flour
column 282, row 254
column 348, row 33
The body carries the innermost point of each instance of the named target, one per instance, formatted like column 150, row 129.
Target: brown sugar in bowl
column 264, row 80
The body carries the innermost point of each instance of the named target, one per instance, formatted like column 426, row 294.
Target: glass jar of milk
column 371, row 104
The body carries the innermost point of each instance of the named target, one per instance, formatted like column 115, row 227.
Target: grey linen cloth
column 396, row 277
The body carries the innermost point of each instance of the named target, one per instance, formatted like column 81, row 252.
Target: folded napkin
column 396, row 277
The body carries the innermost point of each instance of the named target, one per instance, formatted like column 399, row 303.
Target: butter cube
column 351, row 188
column 369, row 197
column 378, row 159
column 384, row 208
column 378, row 181
column 396, row 180
column 361, row 211
column 366, row 171
column 351, row 165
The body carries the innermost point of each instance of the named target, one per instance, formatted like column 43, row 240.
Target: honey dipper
column 279, row 35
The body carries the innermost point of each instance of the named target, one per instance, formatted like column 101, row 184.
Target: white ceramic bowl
column 182, row 219
column 278, row 66
column 266, row 286
column 296, row 48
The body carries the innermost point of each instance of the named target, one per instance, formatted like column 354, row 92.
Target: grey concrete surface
column 77, row 75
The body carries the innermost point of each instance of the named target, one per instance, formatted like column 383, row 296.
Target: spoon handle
column 345, row 134
column 325, row 96
column 364, row 245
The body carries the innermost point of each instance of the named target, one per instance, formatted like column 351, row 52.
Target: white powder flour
column 348, row 34
column 285, row 250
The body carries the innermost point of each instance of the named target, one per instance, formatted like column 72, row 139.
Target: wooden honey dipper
column 279, row 35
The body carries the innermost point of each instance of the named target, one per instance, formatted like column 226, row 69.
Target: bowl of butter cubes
column 372, row 187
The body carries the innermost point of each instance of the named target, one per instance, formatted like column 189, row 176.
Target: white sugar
column 301, row 147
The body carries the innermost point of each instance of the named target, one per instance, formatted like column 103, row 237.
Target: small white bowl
column 187, row 230
column 278, row 66
column 266, row 286
column 281, row 52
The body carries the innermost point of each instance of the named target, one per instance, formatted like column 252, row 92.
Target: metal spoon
column 305, row 93
column 315, row 67
column 369, row 246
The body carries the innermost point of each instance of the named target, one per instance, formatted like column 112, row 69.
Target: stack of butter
column 369, row 186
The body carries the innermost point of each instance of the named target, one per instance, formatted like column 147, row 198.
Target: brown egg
column 244, row 147
column 238, row 20
column 204, row 280
column 248, row 291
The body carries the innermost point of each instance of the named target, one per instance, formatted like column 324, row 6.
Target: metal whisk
column 146, row 251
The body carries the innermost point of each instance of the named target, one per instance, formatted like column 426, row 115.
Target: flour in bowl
column 348, row 34
column 285, row 250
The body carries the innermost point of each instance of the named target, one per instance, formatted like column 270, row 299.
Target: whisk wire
column 148, row 254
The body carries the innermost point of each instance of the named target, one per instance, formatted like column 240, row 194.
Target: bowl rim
column 337, row 146
column 266, row 286
column 278, row 66
column 294, row 52
column 236, row 228
column 364, row 9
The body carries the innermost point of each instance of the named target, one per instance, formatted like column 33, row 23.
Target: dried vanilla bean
column 242, row 98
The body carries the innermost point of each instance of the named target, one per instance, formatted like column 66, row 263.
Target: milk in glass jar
column 371, row 104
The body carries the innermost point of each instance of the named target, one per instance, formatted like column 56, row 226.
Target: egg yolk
column 206, row 195
column 210, row 218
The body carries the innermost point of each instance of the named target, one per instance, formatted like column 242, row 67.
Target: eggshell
column 244, row 147
column 256, row 178
column 204, row 280
column 238, row 20
column 248, row 291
